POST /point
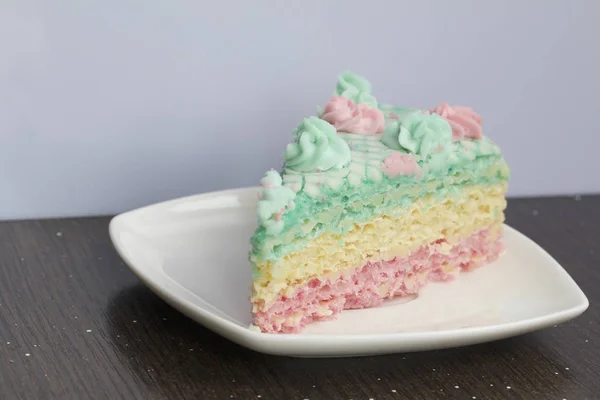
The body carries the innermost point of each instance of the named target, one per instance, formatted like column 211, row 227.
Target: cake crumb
column 508, row 387
column 393, row 390
column 456, row 386
column 567, row 368
column 254, row 328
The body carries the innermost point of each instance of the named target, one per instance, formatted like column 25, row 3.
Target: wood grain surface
column 75, row 323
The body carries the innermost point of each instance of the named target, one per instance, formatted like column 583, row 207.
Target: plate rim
column 264, row 342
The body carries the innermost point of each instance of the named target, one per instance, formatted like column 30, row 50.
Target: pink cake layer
column 371, row 284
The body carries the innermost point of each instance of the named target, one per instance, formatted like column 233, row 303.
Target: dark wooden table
column 75, row 323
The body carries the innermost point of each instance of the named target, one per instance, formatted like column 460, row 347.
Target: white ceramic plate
column 193, row 253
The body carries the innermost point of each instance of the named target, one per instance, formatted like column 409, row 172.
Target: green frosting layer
column 307, row 208
column 316, row 147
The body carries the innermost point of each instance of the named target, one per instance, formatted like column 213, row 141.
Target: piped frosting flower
column 274, row 201
column 355, row 88
column 418, row 132
column 316, row 147
column 465, row 122
column 347, row 116
column 400, row 164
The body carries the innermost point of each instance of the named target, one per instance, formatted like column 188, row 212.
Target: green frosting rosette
column 316, row 148
column 418, row 132
column 355, row 88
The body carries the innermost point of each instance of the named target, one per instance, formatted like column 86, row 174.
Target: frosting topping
column 418, row 132
column 345, row 149
column 465, row 122
column 397, row 164
column 349, row 117
column 356, row 88
column 316, row 148
column 274, row 201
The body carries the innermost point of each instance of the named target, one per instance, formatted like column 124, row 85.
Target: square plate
column 193, row 252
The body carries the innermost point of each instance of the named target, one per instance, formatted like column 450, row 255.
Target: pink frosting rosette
column 349, row 117
column 465, row 122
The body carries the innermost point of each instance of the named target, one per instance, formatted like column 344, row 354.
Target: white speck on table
column 535, row 213
column 393, row 390
column 27, row 354
column 508, row 387
column 88, row 330
column 59, row 234
column 456, row 386
column 567, row 368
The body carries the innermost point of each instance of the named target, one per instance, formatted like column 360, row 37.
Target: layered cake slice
column 373, row 202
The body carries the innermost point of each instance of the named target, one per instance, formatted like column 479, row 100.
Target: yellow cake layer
column 391, row 235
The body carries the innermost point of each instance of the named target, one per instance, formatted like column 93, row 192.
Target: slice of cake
column 373, row 202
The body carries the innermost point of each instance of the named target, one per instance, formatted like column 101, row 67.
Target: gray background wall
column 109, row 105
